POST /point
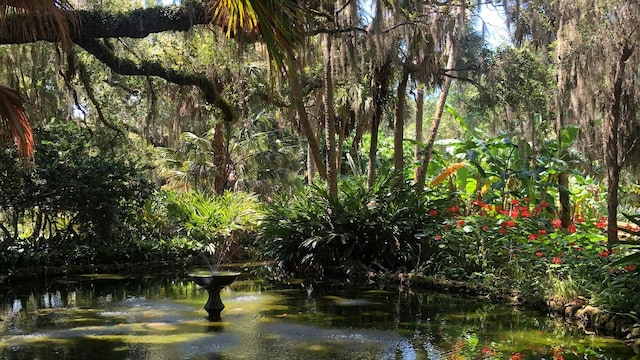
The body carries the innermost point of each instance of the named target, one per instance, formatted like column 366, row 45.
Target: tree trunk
column 330, row 118
column 612, row 160
column 219, row 158
column 380, row 90
column 419, row 116
column 454, row 43
column 398, row 126
column 297, row 97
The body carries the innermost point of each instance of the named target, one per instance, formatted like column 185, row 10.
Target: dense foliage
column 160, row 146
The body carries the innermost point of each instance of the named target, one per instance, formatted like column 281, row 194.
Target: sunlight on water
column 115, row 317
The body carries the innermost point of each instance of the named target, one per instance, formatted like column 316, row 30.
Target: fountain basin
column 214, row 282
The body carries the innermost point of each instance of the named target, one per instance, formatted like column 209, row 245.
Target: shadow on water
column 119, row 317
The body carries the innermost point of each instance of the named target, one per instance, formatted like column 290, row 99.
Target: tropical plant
column 364, row 228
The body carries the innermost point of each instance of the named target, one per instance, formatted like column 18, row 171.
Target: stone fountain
column 214, row 282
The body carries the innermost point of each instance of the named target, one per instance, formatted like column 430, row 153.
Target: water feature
column 214, row 281
column 161, row 317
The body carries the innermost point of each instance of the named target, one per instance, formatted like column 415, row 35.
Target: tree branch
column 99, row 24
column 149, row 68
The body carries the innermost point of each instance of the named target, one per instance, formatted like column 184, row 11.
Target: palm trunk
column 218, row 149
column 419, row 115
column 380, row 89
column 454, row 43
column 330, row 118
column 398, row 126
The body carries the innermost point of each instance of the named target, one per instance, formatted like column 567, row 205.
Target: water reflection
column 114, row 317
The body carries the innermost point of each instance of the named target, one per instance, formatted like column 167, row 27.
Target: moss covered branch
column 149, row 68
column 100, row 24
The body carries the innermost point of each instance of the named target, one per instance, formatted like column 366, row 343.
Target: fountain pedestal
column 214, row 282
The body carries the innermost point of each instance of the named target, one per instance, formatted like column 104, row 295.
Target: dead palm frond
column 30, row 19
column 13, row 120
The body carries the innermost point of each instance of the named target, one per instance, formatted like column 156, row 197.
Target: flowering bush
column 524, row 246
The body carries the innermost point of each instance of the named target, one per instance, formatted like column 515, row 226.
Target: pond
column 161, row 317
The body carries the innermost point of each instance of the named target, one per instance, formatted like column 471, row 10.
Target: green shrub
column 363, row 228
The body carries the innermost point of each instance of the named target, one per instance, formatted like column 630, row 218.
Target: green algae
column 164, row 319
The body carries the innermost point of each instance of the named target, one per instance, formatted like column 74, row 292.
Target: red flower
column 544, row 204
column 539, row 254
column 479, row 203
column 525, row 213
column 485, row 350
column 526, row 199
column 514, row 213
column 433, row 212
column 454, row 209
column 460, row 223
column 542, row 232
column 557, row 223
column 602, row 224
column 502, row 231
column 571, row 228
column 532, row 237
column 508, row 223
column 485, row 228
column 438, row 237
column 630, row 268
column 556, row 260
column 604, row 254
column 515, row 202
column 579, row 218
column 516, row 356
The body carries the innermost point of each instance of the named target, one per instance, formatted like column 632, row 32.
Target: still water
column 156, row 318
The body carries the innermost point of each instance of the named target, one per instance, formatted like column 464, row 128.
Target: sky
column 494, row 25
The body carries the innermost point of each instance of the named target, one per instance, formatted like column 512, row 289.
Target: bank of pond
column 106, row 316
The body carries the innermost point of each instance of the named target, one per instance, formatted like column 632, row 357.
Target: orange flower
column 516, row 356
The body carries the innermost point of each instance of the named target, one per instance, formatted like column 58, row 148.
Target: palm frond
column 30, row 18
column 281, row 23
column 13, row 121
